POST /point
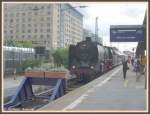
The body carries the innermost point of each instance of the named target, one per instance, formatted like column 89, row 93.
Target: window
column 17, row 14
column 29, row 7
column 11, row 31
column 29, row 25
column 23, row 20
column 17, row 30
column 11, row 14
column 29, row 31
column 29, row 13
column 48, row 7
column 35, row 13
column 48, row 12
column 42, row 7
column 48, row 18
column 17, row 20
column 23, row 31
column 5, row 31
column 35, row 30
column 41, row 36
column 48, row 36
column 35, row 25
column 29, row 19
column 35, row 36
column 5, row 15
column 48, row 24
column 11, row 20
column 23, row 14
column 29, row 36
column 23, row 36
column 42, row 19
column 48, row 30
column 41, row 24
column 23, row 25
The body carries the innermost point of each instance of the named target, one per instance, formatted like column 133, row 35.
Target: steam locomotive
column 89, row 59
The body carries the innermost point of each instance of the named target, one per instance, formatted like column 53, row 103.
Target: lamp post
column 62, row 25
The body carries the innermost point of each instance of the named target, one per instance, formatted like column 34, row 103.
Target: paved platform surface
column 109, row 92
column 10, row 85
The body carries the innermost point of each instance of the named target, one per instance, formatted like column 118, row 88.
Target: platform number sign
column 126, row 33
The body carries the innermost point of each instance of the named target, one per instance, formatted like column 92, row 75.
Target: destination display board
column 126, row 33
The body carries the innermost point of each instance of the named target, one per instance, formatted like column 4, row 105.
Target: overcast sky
column 112, row 13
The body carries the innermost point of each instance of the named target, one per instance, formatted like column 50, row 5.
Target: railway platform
column 109, row 92
column 10, row 85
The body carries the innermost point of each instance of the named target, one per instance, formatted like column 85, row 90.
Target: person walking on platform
column 125, row 68
column 137, row 66
column 132, row 61
column 138, row 70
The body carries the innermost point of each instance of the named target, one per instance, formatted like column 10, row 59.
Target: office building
column 40, row 23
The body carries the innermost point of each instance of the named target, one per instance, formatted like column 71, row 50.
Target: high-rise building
column 72, row 25
column 40, row 23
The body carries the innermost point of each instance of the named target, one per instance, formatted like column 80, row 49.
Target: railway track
column 39, row 101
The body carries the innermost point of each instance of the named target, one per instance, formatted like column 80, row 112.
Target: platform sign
column 126, row 33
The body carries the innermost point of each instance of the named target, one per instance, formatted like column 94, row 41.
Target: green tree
column 31, row 63
column 25, row 44
column 10, row 42
column 60, row 57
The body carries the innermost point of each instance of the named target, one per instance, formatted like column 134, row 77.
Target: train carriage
column 108, row 58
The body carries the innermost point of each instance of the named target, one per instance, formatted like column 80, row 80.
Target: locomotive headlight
column 73, row 67
column 92, row 67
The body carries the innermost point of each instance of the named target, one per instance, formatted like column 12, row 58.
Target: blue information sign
column 126, row 33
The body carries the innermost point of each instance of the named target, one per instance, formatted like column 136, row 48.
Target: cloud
column 121, row 13
column 134, row 10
